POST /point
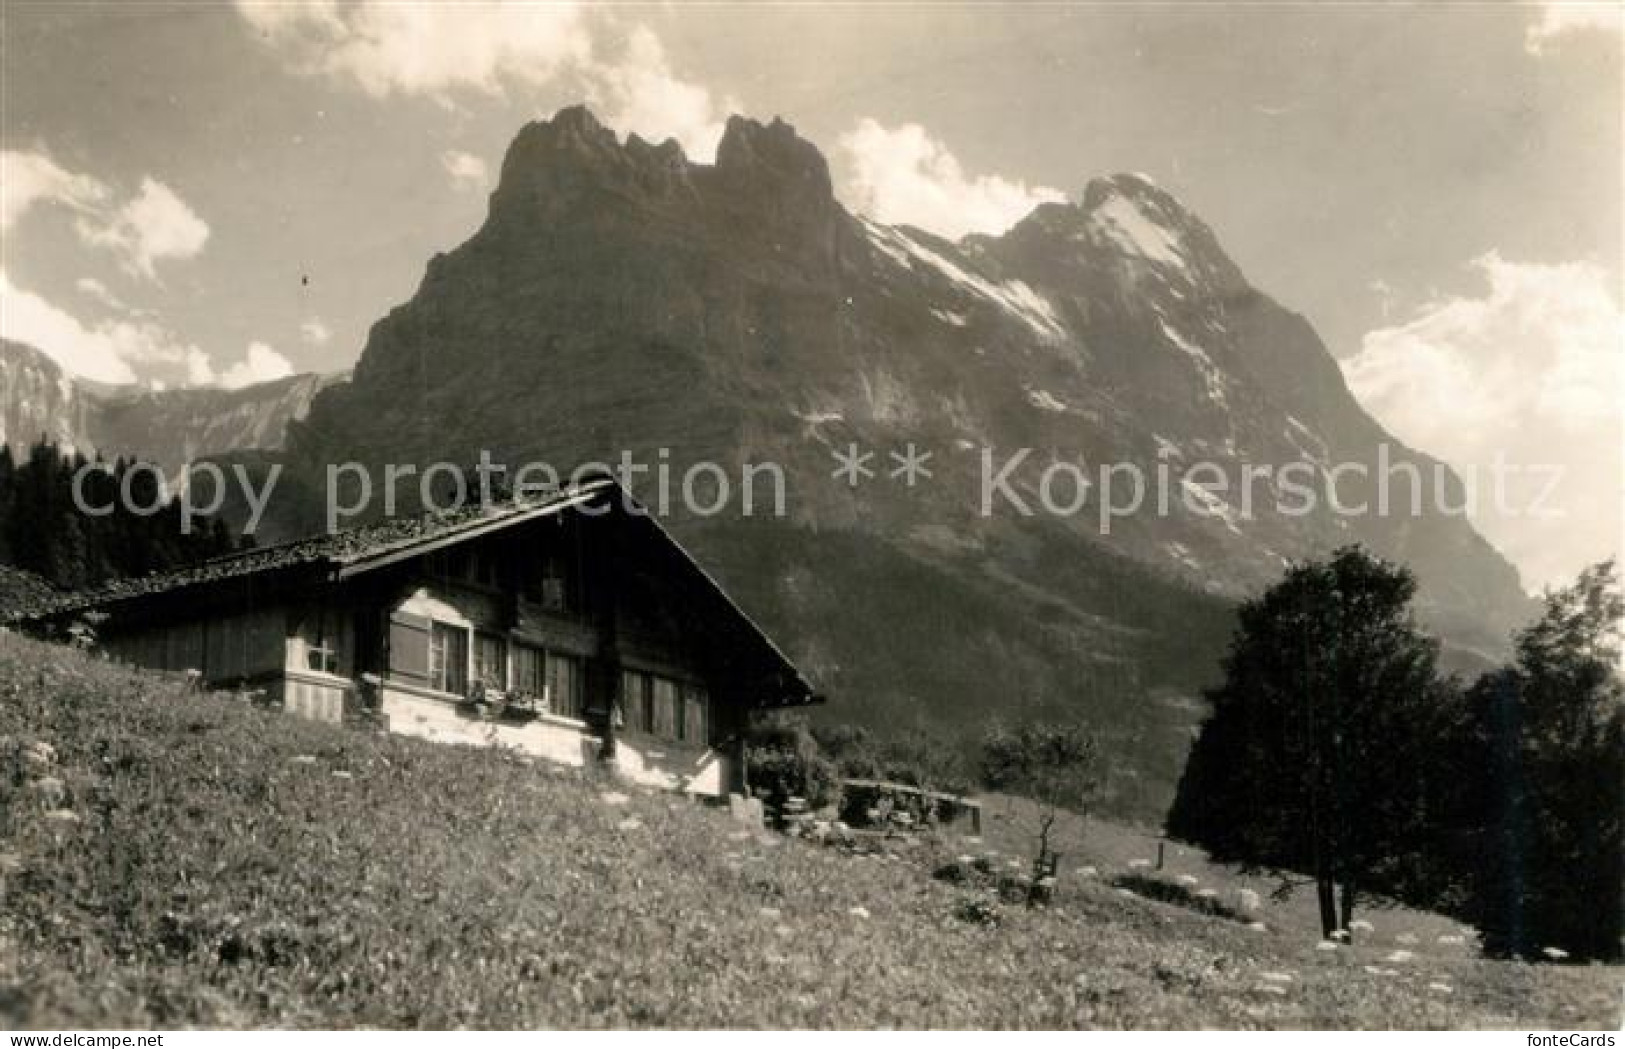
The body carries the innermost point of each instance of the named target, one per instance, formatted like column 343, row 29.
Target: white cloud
column 433, row 50
column 1529, row 372
column 92, row 288
column 29, row 177
column 260, row 364
column 315, row 332
column 154, row 224
column 440, row 51
column 116, row 350
column 466, row 170
column 904, row 175
column 1559, row 19
column 640, row 93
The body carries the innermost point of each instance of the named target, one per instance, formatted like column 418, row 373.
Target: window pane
column 635, row 701
column 490, row 661
column 664, row 694
column 528, row 671
column 448, row 659
column 694, row 712
column 564, row 684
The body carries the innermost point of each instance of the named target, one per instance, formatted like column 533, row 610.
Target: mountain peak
column 773, row 153
column 1131, row 216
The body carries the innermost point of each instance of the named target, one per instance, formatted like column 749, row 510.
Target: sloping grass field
column 174, row 860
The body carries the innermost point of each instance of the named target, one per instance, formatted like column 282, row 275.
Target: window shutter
column 409, row 647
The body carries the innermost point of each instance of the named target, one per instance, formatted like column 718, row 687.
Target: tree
column 44, row 532
column 1056, row 766
column 1542, row 827
column 1317, row 756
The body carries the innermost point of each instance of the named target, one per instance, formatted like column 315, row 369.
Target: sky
column 219, row 193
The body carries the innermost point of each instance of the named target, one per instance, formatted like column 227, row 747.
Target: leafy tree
column 1319, row 753
column 1542, row 829
column 1057, row 766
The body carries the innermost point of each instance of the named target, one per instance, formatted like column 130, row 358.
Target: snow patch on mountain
column 1118, row 221
column 1212, row 376
column 1212, row 505
column 1013, row 296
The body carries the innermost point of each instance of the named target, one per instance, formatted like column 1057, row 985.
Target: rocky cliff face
column 620, row 297
column 169, row 428
column 38, row 400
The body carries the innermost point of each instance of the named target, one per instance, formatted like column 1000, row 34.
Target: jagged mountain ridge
column 167, row 427
column 619, row 296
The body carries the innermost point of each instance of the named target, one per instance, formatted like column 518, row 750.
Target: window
column 448, row 658
column 664, row 700
column 635, row 701
column 490, row 661
column 564, row 684
column 664, row 707
column 529, row 665
column 694, row 714
column 547, row 582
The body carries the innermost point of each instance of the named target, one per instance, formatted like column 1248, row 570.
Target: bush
column 784, row 761
column 978, row 910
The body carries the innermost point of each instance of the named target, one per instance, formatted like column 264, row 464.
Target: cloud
column 445, row 51
column 28, row 178
column 1561, row 19
column 641, row 94
column 260, row 364
column 154, row 224
column 1530, row 373
column 466, row 170
column 114, row 350
column 433, row 50
column 92, row 288
column 315, row 332
column 904, row 175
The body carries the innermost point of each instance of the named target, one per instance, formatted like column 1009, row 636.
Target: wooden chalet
column 574, row 629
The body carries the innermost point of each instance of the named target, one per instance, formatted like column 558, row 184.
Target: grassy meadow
column 172, row 860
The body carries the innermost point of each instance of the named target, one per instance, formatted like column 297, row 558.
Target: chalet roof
column 343, row 553
column 339, row 555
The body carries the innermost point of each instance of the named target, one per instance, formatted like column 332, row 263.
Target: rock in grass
column 50, row 791
column 613, row 797
column 39, row 755
column 1399, row 956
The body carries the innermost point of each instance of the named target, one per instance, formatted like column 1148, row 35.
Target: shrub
column 784, row 761
column 978, row 910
